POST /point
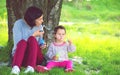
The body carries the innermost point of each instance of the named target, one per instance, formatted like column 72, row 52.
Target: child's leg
column 69, row 65
column 66, row 64
column 52, row 64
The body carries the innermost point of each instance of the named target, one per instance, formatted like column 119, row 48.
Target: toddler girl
column 57, row 54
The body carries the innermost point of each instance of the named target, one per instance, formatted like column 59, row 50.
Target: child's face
column 60, row 35
column 39, row 21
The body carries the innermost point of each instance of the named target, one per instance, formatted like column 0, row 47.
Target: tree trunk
column 51, row 10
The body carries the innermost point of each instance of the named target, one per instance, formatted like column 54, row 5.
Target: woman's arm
column 17, row 33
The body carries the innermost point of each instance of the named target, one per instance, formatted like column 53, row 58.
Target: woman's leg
column 40, row 57
column 19, row 54
column 31, row 52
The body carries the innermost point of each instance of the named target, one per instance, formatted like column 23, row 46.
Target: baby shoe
column 69, row 70
column 40, row 68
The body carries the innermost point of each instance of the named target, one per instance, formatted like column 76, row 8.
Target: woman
column 26, row 32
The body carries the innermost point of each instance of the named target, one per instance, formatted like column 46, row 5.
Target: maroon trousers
column 28, row 53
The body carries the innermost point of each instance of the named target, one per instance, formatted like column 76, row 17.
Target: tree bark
column 51, row 10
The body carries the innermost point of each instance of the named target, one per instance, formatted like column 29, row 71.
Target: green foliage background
column 94, row 27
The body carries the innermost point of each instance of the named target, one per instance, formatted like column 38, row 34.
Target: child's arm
column 50, row 53
column 71, row 47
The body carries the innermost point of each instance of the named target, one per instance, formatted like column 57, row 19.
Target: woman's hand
column 43, row 46
column 38, row 33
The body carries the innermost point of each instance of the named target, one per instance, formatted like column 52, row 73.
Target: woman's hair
column 59, row 27
column 31, row 14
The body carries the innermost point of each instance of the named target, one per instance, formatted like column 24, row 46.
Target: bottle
column 41, row 41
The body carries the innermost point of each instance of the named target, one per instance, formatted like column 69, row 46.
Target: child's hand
column 70, row 41
column 55, row 57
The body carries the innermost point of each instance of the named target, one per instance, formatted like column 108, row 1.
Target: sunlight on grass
column 4, row 31
column 3, row 26
column 94, row 27
column 98, row 50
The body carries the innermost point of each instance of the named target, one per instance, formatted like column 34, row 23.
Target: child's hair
column 31, row 14
column 59, row 27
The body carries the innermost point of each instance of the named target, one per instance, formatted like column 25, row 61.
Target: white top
column 60, row 50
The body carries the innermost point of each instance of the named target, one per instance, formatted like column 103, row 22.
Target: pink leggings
column 65, row 64
column 27, row 53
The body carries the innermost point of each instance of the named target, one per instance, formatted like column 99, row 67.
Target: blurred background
column 94, row 27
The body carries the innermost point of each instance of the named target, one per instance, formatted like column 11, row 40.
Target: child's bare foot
column 41, row 69
column 69, row 70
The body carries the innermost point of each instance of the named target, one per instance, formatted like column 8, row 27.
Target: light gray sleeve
column 71, row 48
column 17, row 33
column 50, row 53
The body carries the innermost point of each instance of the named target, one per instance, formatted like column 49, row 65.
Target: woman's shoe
column 29, row 69
column 15, row 70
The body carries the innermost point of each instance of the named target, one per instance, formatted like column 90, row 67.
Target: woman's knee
column 22, row 42
column 32, row 39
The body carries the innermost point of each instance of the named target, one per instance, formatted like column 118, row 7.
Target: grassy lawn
column 97, row 46
column 96, row 35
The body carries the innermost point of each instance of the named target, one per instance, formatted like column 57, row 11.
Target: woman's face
column 39, row 21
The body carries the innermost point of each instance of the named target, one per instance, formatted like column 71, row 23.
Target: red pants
column 28, row 53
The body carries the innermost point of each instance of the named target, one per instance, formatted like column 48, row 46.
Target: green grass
column 3, row 33
column 82, row 10
column 100, row 51
column 3, row 24
column 95, row 32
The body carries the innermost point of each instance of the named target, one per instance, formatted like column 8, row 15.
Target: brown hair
column 31, row 14
column 59, row 27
